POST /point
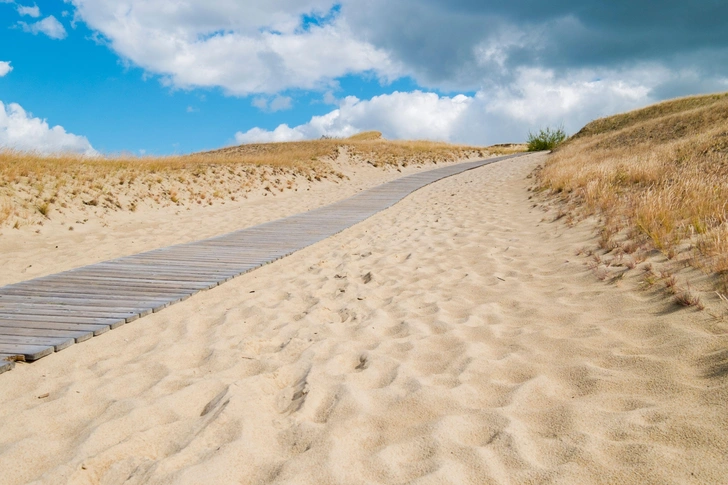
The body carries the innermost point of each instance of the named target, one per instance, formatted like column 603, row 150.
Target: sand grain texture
column 453, row 338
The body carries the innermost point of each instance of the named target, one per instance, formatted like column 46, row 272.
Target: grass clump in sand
column 545, row 139
column 32, row 187
column 657, row 177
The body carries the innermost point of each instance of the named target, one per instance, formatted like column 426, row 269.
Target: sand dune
column 454, row 338
column 101, row 234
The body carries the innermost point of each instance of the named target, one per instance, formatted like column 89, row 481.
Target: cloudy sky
column 176, row 76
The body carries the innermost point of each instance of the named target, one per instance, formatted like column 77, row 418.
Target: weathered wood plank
column 103, row 273
column 6, row 365
column 77, row 335
column 96, row 329
column 104, row 282
column 30, row 352
column 143, row 309
column 72, row 303
column 19, row 317
column 90, row 289
column 90, row 295
column 36, row 311
column 56, row 343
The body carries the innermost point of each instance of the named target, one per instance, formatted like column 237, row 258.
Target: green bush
column 547, row 139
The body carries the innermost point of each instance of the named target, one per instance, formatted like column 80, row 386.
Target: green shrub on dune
column 547, row 139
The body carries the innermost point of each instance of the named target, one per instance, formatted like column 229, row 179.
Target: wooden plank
column 154, row 267
column 193, row 275
column 91, row 305
column 36, row 311
column 6, row 365
column 199, row 256
column 186, row 262
column 18, row 317
column 104, row 280
column 30, row 352
column 56, row 343
column 143, row 307
column 98, row 273
column 96, row 329
column 141, row 297
column 99, row 286
column 141, row 282
column 77, row 335
column 89, row 289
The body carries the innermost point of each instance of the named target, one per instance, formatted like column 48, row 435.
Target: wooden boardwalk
column 48, row 314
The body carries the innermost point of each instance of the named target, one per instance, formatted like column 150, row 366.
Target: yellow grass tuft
column 660, row 174
column 366, row 135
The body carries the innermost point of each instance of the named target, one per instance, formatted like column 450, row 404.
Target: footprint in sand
column 293, row 380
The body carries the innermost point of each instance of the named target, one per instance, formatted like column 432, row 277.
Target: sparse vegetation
column 656, row 177
column 546, row 139
column 685, row 297
column 43, row 208
column 6, row 209
column 31, row 185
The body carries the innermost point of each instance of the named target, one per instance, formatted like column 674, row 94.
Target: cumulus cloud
column 244, row 47
column 538, row 98
column 5, row 68
column 20, row 131
column 397, row 115
column 49, row 26
column 248, row 47
column 33, row 11
column 529, row 62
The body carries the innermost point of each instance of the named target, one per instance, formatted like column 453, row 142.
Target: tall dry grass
column 657, row 176
column 34, row 187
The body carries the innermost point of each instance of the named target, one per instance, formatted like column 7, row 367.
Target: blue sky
column 161, row 77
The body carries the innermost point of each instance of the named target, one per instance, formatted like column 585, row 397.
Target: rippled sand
column 454, row 338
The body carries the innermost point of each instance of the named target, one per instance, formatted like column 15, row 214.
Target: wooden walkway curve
column 48, row 314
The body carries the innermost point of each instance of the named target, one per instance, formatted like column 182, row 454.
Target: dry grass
column 32, row 187
column 657, row 178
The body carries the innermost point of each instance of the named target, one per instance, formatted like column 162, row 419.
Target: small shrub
column 547, row 139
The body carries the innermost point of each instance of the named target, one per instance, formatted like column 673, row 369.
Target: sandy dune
column 454, row 338
column 99, row 234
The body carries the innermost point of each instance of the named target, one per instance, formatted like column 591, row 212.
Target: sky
column 159, row 77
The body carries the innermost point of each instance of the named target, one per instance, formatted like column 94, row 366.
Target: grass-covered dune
column 35, row 187
column 657, row 177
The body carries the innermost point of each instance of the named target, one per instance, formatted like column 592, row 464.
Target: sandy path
column 454, row 338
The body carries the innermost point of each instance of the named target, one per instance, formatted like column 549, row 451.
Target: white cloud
column 536, row 99
column 252, row 47
column 243, row 46
column 49, row 26
column 397, row 115
column 21, row 131
column 33, row 11
column 282, row 133
column 5, row 68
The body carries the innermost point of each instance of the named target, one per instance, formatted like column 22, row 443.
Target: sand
column 453, row 338
column 100, row 233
